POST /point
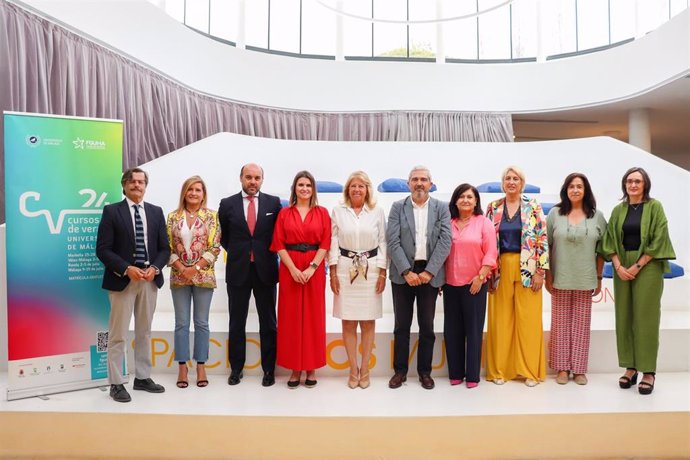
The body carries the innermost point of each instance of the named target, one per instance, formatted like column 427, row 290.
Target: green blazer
column 654, row 239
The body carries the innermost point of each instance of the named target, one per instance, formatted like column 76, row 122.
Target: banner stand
column 59, row 173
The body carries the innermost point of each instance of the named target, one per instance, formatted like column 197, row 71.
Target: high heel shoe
column 626, row 382
column 364, row 381
column 182, row 377
column 353, row 380
column 646, row 388
column 202, row 380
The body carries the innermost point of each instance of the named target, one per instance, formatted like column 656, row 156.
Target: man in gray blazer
column 419, row 238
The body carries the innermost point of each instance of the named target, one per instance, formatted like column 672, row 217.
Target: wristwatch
column 314, row 265
column 481, row 277
column 405, row 272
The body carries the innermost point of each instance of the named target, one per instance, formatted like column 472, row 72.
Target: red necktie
column 251, row 214
column 251, row 220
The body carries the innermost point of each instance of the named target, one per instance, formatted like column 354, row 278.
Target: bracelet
column 618, row 268
column 382, row 276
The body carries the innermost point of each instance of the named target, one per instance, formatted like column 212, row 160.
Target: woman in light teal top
column 575, row 229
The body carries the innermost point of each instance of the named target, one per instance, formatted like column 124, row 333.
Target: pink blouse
column 471, row 248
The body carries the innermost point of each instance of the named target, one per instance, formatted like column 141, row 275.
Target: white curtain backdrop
column 46, row 68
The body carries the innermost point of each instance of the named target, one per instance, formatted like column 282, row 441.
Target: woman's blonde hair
column 361, row 175
column 519, row 172
column 185, row 188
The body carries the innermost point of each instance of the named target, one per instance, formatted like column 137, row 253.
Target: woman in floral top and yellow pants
column 194, row 235
column 515, row 338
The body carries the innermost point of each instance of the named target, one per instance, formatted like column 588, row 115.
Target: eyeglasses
column 634, row 181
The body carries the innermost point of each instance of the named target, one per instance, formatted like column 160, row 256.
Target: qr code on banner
column 102, row 345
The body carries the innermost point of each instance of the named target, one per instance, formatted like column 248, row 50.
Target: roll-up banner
column 59, row 173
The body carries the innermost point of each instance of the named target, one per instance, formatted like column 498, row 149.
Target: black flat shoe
column 268, row 380
column 119, row 393
column 310, row 383
column 646, row 388
column 626, row 382
column 147, row 385
column 235, row 378
column 292, row 384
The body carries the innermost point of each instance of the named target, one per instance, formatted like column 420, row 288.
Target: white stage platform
column 332, row 398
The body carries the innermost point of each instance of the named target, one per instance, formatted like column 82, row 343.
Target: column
column 440, row 39
column 241, row 25
column 639, row 133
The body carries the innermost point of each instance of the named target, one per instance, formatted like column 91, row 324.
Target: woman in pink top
column 472, row 256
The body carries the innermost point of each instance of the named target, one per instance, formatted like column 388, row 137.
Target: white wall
column 145, row 32
column 218, row 160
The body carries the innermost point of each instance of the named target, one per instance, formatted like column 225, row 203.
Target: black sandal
column 626, row 382
column 183, row 383
column 646, row 388
column 202, row 383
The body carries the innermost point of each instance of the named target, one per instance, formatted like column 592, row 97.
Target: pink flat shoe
column 472, row 384
column 455, row 381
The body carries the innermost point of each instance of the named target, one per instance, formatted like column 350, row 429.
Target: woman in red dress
column 302, row 238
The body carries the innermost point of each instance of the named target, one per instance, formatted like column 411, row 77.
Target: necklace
column 635, row 207
column 190, row 213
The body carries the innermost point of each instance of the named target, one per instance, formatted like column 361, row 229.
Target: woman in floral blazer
column 194, row 235
column 515, row 338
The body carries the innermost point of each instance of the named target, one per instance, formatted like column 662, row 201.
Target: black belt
column 142, row 266
column 302, row 247
column 352, row 254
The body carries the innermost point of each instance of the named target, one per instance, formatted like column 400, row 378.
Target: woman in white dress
column 357, row 262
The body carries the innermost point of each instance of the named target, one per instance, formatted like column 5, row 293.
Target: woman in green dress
column 638, row 245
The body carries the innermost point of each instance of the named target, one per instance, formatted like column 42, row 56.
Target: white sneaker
column 531, row 383
column 499, row 381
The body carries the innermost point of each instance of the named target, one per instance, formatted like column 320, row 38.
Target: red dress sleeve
column 278, row 242
column 325, row 242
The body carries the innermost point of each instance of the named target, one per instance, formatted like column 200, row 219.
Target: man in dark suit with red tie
column 247, row 220
column 133, row 245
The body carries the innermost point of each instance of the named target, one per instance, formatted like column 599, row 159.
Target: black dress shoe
column 397, row 380
column 268, row 380
column 119, row 393
column 148, row 385
column 235, row 378
column 427, row 381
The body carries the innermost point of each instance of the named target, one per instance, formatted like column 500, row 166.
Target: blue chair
column 676, row 271
column 495, row 187
column 324, row 186
column 546, row 207
column 395, row 185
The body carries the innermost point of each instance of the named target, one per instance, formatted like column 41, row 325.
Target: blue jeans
column 182, row 301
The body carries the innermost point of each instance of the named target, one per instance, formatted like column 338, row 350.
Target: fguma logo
column 88, row 144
